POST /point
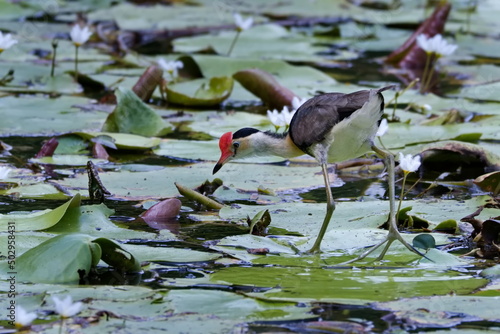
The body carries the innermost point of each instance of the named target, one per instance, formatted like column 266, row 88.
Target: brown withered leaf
column 489, row 239
column 258, row 251
column 263, row 85
column 148, row 82
column 489, row 182
column 99, row 152
column 48, row 148
column 410, row 55
column 168, row 208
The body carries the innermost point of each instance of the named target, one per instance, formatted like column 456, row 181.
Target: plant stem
column 425, row 73
column 402, row 194
column 395, row 105
column 54, row 48
column 429, row 79
column 200, row 198
column 233, row 43
column 76, row 63
column 62, row 325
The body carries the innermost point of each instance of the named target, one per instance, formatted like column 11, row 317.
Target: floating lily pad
column 302, row 80
column 354, row 224
column 480, row 308
column 38, row 220
column 56, row 118
column 125, row 141
column 340, row 285
column 133, row 116
column 265, row 41
column 81, row 252
column 201, row 92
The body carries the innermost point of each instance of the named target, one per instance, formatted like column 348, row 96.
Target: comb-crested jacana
column 331, row 127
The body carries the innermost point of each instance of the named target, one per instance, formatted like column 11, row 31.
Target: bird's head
column 234, row 145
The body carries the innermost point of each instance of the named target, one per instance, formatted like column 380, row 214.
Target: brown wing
column 315, row 118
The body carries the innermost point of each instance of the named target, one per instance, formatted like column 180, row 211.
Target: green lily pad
column 302, row 80
column 56, row 118
column 80, row 254
column 354, row 225
column 124, row 141
column 479, row 307
column 131, row 16
column 200, row 92
column 268, row 41
column 38, row 220
column 67, row 160
column 337, row 284
column 94, row 220
column 133, row 116
column 171, row 255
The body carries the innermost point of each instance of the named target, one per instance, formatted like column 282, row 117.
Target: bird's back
column 335, row 126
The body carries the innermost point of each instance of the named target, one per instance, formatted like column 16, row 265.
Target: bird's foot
column 315, row 249
column 391, row 237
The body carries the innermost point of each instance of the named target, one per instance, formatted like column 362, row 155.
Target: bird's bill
column 225, row 157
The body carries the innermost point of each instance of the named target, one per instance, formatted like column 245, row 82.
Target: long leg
column 330, row 207
column 393, row 234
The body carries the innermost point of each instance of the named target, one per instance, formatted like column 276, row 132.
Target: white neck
column 264, row 144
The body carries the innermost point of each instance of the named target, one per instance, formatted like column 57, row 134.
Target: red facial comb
column 225, row 141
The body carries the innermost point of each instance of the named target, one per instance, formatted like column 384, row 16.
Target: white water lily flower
column 66, row 308
column 80, row 35
column 276, row 118
column 24, row 318
column 409, row 163
column 4, row 172
column 170, row 66
column 287, row 115
column 383, row 127
column 242, row 24
column 6, row 41
column 436, row 44
column 297, row 102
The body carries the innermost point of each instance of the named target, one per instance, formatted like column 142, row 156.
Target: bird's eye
column 235, row 147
